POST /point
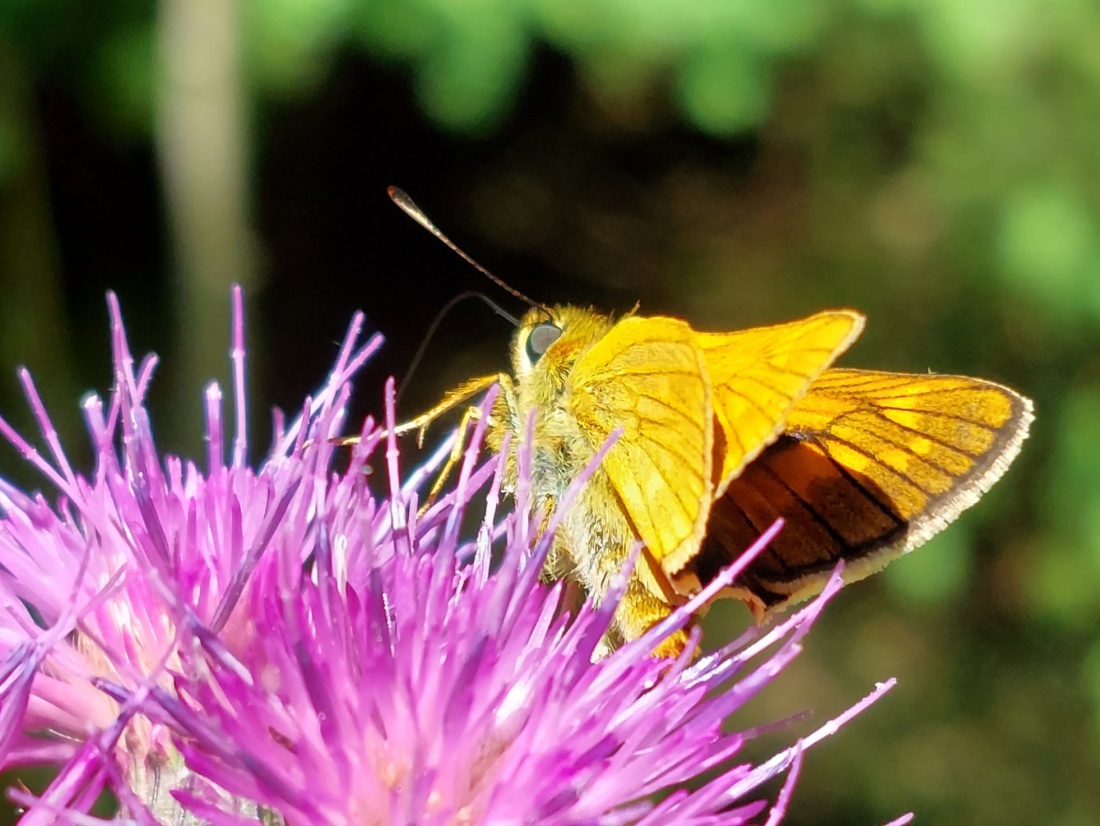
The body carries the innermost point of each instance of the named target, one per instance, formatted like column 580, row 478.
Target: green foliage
column 1049, row 249
column 11, row 148
column 939, row 573
column 289, row 42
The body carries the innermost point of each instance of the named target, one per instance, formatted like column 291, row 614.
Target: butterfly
column 719, row 434
column 723, row 433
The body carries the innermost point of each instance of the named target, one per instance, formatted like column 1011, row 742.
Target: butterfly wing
column 647, row 376
column 870, row 467
column 757, row 376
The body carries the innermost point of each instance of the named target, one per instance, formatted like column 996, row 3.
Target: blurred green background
column 935, row 164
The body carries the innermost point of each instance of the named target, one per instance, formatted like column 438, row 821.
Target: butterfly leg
column 499, row 417
column 472, row 414
column 450, row 401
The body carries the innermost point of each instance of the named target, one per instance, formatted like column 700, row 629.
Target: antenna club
column 401, row 198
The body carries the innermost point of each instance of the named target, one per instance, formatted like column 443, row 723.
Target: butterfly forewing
column 757, row 376
column 647, row 377
column 871, row 466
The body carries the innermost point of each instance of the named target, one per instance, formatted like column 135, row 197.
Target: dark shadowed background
column 935, row 164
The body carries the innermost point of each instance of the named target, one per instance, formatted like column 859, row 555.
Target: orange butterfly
column 722, row 433
column 725, row 432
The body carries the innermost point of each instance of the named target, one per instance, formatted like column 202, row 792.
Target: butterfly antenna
column 433, row 328
column 401, row 198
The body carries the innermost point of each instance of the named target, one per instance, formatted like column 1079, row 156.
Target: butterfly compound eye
column 540, row 339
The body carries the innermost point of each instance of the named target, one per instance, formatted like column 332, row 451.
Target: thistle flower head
column 281, row 642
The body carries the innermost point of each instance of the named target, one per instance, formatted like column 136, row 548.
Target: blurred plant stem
column 204, row 161
column 33, row 327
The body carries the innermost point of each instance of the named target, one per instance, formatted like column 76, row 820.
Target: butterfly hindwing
column 870, row 467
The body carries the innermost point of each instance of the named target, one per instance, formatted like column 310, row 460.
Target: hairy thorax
column 594, row 538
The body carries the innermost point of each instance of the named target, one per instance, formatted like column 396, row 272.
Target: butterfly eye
column 540, row 339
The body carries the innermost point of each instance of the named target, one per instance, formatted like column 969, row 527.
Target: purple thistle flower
column 280, row 643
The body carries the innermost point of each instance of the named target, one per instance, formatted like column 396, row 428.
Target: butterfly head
column 549, row 342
